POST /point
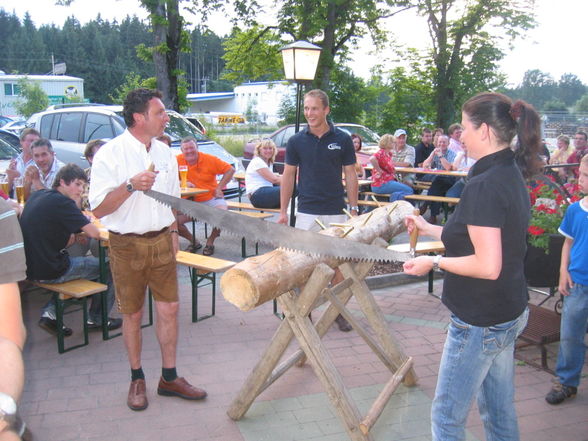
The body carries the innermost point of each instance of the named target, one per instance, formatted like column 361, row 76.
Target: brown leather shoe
column 343, row 324
column 180, row 388
column 137, row 399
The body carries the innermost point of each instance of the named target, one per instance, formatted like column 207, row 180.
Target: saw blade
column 279, row 235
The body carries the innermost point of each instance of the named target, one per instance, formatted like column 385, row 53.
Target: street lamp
column 300, row 62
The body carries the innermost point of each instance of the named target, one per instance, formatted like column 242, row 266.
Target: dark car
column 7, row 152
column 283, row 134
column 10, row 138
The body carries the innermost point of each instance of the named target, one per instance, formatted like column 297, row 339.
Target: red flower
column 536, row 231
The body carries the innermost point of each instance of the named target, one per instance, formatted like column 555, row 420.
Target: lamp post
column 300, row 62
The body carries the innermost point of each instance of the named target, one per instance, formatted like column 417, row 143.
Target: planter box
column 541, row 268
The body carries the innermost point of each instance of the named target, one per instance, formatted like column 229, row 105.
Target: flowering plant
column 548, row 206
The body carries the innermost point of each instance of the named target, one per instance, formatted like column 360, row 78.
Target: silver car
column 70, row 128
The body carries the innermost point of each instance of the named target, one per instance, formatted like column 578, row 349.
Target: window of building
column 11, row 89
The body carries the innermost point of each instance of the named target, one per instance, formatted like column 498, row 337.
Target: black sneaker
column 113, row 323
column 50, row 325
column 560, row 392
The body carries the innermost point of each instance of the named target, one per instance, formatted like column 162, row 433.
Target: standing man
column 19, row 164
column 319, row 152
column 143, row 236
column 202, row 172
column 41, row 174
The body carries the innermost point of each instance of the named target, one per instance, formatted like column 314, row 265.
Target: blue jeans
column 266, row 197
column 572, row 350
column 478, row 362
column 397, row 190
column 456, row 189
column 87, row 267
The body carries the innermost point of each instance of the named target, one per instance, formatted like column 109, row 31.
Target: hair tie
column 515, row 110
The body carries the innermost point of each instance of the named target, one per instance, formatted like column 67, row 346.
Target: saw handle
column 414, row 235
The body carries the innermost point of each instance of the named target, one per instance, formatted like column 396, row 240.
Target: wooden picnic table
column 428, row 171
column 188, row 192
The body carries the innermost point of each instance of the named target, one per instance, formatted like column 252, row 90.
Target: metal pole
column 296, row 130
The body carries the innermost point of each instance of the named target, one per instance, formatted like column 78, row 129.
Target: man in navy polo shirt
column 320, row 152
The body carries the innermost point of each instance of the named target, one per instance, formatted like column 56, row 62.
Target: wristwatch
column 130, row 187
column 9, row 417
column 436, row 261
column 354, row 208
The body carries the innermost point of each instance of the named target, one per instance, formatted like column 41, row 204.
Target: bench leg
column 195, row 279
column 59, row 311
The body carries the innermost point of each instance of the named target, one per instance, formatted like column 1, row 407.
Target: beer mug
column 4, row 184
column 19, row 190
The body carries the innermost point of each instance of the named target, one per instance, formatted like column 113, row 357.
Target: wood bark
column 259, row 279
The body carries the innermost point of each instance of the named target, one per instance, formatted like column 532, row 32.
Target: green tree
column 537, row 88
column 347, row 96
column 555, row 105
column 465, row 36
column 570, row 87
column 33, row 98
column 581, row 105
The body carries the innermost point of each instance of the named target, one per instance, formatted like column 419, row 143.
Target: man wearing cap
column 403, row 156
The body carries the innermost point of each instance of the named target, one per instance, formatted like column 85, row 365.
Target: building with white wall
column 57, row 87
column 262, row 99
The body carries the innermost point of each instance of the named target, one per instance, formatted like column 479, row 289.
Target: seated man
column 202, row 171
column 440, row 159
column 42, row 174
column 49, row 222
column 19, row 164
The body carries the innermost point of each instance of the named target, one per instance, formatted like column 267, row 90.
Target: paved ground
column 81, row 395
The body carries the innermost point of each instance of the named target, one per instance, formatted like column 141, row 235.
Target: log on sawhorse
column 297, row 324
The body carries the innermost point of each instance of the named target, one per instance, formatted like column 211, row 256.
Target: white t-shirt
column 253, row 180
column 121, row 159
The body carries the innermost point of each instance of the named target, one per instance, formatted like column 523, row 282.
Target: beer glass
column 4, row 184
column 19, row 190
column 183, row 176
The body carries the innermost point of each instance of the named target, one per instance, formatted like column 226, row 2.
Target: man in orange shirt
column 202, row 171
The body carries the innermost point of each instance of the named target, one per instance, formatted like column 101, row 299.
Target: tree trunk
column 260, row 279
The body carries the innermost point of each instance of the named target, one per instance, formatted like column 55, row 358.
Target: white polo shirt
column 121, row 159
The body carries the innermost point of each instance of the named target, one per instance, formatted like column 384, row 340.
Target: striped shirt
column 12, row 258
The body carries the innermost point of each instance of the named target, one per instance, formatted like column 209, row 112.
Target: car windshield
column 367, row 136
column 178, row 128
column 6, row 150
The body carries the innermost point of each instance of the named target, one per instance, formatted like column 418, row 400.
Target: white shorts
column 217, row 203
column 305, row 221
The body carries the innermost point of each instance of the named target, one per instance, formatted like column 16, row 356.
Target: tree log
column 259, row 279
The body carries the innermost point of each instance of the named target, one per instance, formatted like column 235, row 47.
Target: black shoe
column 560, row 392
column 113, row 323
column 50, row 325
column 343, row 324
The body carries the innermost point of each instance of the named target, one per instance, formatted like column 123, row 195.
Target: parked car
column 15, row 126
column 283, row 134
column 5, row 120
column 70, row 128
column 10, row 138
column 7, row 152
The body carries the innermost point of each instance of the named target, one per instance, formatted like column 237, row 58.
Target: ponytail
column 507, row 120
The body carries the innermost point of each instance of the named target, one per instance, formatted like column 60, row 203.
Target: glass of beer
column 183, row 176
column 19, row 188
column 4, row 184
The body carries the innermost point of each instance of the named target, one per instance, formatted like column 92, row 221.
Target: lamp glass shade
column 300, row 63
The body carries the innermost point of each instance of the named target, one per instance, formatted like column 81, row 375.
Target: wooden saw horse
column 296, row 307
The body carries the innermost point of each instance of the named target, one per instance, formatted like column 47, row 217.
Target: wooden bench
column 425, row 247
column 68, row 293
column 543, row 327
column 234, row 205
column 444, row 200
column 202, row 268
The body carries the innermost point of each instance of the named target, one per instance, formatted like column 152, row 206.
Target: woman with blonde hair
column 261, row 183
column 383, row 174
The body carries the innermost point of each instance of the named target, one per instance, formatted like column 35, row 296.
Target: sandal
column 208, row 250
column 192, row 248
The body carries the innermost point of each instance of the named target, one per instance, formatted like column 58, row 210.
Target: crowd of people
column 485, row 238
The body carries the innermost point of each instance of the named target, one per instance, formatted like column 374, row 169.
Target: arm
column 286, row 189
column 427, row 162
column 375, row 164
column 141, row 181
column 485, row 263
column 351, row 185
column 218, row 191
column 446, row 164
column 12, row 338
column 565, row 280
column 266, row 173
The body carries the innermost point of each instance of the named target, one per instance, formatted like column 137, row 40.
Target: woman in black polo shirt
column 485, row 287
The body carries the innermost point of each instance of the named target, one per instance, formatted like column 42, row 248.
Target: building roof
column 40, row 77
column 210, row 96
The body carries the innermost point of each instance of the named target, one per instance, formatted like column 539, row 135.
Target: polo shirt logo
column 334, row 146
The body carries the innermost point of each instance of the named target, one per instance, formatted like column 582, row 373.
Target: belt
column 147, row 235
